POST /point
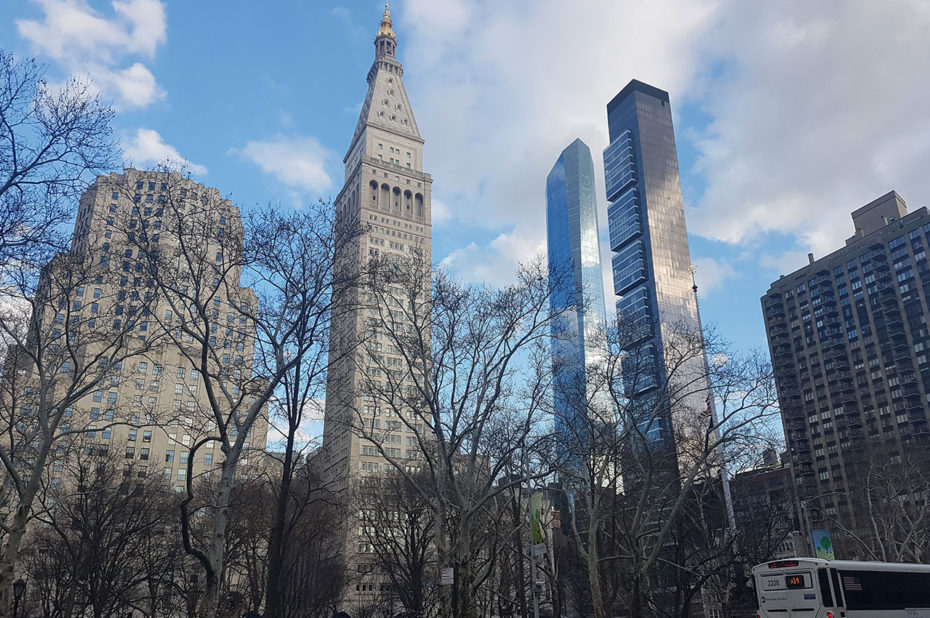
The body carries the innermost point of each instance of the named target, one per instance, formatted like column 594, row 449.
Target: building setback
column 574, row 277
column 848, row 336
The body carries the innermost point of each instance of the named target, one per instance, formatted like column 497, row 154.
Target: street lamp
column 19, row 589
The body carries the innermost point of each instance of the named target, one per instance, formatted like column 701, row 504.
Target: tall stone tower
column 386, row 191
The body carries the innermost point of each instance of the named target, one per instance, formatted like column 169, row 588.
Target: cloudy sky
column 788, row 114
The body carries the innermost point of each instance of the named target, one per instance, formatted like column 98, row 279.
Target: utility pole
column 529, row 510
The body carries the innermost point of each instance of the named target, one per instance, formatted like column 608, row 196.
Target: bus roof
column 850, row 565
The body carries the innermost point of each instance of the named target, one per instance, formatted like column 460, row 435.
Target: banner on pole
column 536, row 532
column 823, row 544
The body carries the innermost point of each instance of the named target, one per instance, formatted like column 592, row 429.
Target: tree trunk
column 273, row 608
column 635, row 598
column 216, row 550
column 521, row 576
column 594, row 577
column 463, row 593
column 10, row 558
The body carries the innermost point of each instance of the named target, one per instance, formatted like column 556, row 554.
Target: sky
column 788, row 115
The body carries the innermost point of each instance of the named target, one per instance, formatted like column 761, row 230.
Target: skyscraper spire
column 385, row 42
column 386, row 23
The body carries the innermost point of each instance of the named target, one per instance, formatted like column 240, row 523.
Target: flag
column 707, row 413
column 852, row 583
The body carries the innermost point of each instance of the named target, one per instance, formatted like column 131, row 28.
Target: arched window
column 385, row 201
column 419, row 203
column 374, row 192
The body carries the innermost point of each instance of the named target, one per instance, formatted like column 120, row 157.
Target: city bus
column 816, row 588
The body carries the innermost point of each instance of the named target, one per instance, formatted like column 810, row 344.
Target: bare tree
column 463, row 371
column 313, row 570
column 399, row 524
column 68, row 341
column 52, row 142
column 102, row 525
column 297, row 270
column 243, row 341
column 892, row 505
column 643, row 437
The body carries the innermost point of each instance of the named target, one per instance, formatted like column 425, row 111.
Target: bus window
column 884, row 590
column 825, row 595
column 840, row 601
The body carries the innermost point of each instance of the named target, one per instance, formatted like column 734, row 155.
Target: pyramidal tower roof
column 386, row 104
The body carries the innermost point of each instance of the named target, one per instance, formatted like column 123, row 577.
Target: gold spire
column 386, row 23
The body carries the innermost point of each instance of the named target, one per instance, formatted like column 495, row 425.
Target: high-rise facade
column 387, row 192
column 151, row 407
column 576, row 287
column 848, row 336
column 651, row 260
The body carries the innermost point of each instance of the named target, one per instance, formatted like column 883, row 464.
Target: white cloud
column 710, row 274
column 494, row 263
column 85, row 42
column 308, row 433
column 147, row 148
column 784, row 262
column 297, row 162
column 133, row 87
column 797, row 111
column 813, row 116
column 500, row 89
column 440, row 212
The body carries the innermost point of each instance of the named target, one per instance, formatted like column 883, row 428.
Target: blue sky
column 788, row 115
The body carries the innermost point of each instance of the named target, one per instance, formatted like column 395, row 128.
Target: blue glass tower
column 574, row 278
column 651, row 261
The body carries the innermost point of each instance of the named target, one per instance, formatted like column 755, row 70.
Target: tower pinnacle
column 385, row 41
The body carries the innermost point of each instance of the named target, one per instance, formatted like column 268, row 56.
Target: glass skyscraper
column 651, row 261
column 574, row 278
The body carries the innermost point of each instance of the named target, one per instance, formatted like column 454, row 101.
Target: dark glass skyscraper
column 651, row 262
column 575, row 274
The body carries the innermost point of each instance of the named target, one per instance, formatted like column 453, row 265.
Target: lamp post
column 19, row 589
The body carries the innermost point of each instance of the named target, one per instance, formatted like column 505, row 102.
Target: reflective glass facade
column 646, row 218
column 575, row 272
